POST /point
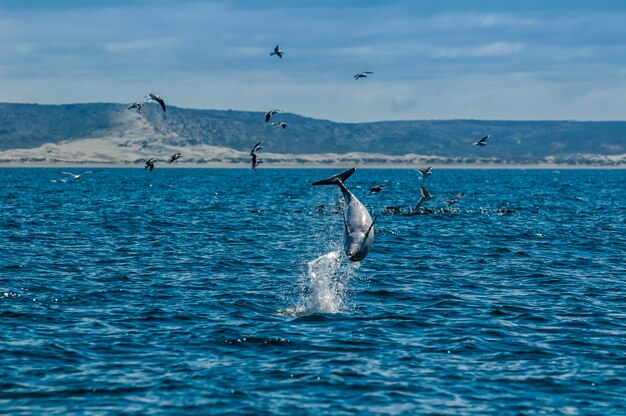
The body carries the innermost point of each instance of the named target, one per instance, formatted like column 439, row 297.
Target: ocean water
column 210, row 291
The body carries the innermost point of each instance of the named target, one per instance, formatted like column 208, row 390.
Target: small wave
column 324, row 286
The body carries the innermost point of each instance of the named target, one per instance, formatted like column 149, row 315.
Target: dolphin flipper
column 337, row 179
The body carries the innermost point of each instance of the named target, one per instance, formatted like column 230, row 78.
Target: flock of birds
column 255, row 162
column 358, row 224
column 150, row 163
column 425, row 195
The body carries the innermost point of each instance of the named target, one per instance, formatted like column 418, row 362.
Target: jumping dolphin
column 358, row 224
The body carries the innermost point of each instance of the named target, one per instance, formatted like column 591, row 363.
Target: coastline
column 225, row 165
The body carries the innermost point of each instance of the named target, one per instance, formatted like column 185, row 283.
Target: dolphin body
column 358, row 224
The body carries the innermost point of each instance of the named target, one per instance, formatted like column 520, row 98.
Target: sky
column 455, row 59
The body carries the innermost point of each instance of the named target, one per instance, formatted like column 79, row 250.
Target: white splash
column 324, row 285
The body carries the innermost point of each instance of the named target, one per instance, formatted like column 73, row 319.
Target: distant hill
column 110, row 133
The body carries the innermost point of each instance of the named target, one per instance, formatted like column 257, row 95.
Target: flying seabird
column 425, row 197
column 425, row 172
column 362, row 75
column 454, row 200
column 481, row 142
column 256, row 147
column 277, row 52
column 253, row 154
column 269, row 114
column 150, row 164
column 138, row 106
column 280, row 124
column 157, row 98
column 377, row 188
column 174, row 157
column 77, row 176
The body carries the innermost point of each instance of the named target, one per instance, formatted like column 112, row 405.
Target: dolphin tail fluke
column 335, row 180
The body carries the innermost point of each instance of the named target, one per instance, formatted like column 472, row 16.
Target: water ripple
column 226, row 291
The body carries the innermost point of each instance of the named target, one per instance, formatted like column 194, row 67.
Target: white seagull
column 155, row 97
column 280, row 124
column 277, row 52
column 77, row 176
column 362, row 75
column 481, row 142
column 138, row 106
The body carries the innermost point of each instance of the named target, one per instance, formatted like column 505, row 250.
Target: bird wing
column 69, row 173
column 91, row 171
column 368, row 72
column 484, row 139
column 268, row 115
column 256, row 147
column 161, row 101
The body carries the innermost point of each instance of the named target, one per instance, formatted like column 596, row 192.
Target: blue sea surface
column 226, row 291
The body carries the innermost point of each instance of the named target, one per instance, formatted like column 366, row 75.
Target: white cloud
column 209, row 55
